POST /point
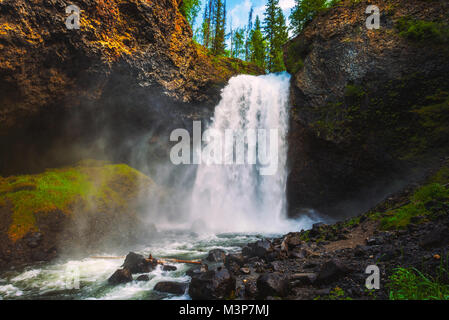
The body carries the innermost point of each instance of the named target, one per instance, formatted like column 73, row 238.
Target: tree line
column 259, row 42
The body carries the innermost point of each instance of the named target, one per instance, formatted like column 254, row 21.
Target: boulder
column 136, row 263
column 261, row 249
column 216, row 255
column 213, row 284
column 143, row 277
column 173, row 287
column 167, row 267
column 121, row 276
column 331, row 271
column 33, row 239
column 435, row 238
column 272, row 284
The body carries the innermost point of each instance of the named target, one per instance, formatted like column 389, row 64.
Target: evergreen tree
column 249, row 29
column 276, row 35
column 257, row 45
column 304, row 11
column 238, row 43
column 190, row 9
column 218, row 43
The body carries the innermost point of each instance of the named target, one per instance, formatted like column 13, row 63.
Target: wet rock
column 261, row 249
column 173, row 287
column 216, row 255
column 33, row 239
column 120, row 276
column 435, row 238
column 213, row 284
column 38, row 255
column 143, row 277
column 167, row 267
column 272, row 284
column 136, row 263
column 331, row 270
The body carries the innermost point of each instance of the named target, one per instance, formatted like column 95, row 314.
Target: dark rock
column 167, row 267
column 216, row 255
column 121, row 276
column 316, row 229
column 213, row 284
column 143, row 277
column 236, row 258
column 38, row 255
column 435, row 238
column 173, row 287
column 272, row 284
column 33, row 239
column 259, row 249
column 331, row 271
column 136, row 263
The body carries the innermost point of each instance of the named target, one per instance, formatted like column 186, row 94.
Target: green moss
column 426, row 201
column 423, row 31
column 354, row 91
column 90, row 185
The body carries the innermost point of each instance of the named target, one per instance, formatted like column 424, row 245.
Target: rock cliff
column 131, row 67
column 368, row 106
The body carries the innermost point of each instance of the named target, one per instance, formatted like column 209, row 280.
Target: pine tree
column 304, row 11
column 276, row 35
column 249, row 29
column 238, row 43
column 257, row 45
column 218, row 43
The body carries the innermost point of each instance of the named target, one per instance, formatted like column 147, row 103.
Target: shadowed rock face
column 130, row 68
column 365, row 103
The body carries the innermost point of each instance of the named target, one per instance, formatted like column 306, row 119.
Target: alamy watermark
column 73, row 20
column 251, row 147
column 373, row 280
column 373, row 20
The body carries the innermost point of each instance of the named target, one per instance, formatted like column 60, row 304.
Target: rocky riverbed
column 330, row 261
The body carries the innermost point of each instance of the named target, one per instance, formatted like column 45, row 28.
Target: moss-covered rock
column 88, row 205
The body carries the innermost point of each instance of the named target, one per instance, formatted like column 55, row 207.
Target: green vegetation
column 411, row 284
column 305, row 10
column 257, row 46
column 276, row 35
column 90, row 185
column 427, row 202
column 189, row 9
column 336, row 294
column 421, row 30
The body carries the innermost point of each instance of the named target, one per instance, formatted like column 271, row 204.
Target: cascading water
column 236, row 197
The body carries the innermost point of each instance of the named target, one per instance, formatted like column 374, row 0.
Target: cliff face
column 130, row 67
column 367, row 105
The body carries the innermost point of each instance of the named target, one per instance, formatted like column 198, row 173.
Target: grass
column 411, row 284
column 89, row 185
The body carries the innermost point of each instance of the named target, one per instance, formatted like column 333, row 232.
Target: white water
column 237, row 198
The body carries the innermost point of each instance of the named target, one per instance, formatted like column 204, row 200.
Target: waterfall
column 237, row 197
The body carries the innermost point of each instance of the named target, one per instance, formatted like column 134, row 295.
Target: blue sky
column 238, row 10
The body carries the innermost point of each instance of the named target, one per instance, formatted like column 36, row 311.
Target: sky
column 238, row 10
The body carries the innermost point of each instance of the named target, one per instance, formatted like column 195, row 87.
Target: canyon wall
column 369, row 107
